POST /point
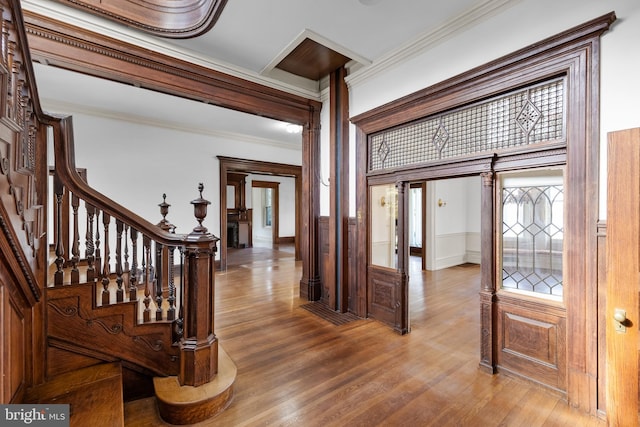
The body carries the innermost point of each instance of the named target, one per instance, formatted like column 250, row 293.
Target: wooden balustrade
column 148, row 272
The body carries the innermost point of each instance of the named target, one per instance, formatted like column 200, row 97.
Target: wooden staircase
column 114, row 313
column 94, row 395
column 115, row 324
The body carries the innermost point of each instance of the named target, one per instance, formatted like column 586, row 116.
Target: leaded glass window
column 532, row 232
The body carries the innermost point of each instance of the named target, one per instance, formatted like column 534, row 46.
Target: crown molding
column 85, row 21
column 90, row 110
column 463, row 21
column 175, row 19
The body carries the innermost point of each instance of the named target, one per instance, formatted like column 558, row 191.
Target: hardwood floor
column 294, row 368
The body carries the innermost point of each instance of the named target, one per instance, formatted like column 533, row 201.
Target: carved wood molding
column 175, row 19
column 27, row 281
column 66, row 46
column 573, row 54
column 458, row 90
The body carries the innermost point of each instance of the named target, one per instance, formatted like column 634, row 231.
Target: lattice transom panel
column 532, row 115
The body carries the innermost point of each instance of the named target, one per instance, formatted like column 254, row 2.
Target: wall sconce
column 441, row 203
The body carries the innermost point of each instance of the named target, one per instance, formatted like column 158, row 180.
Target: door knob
column 620, row 318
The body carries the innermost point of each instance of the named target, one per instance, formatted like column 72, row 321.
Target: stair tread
column 93, row 393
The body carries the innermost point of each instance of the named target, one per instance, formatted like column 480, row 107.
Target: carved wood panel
column 354, row 296
column 386, row 293
column 21, row 158
column 531, row 342
column 327, row 272
column 15, row 327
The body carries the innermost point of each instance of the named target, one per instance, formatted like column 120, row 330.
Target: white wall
column 156, row 160
column 162, row 159
column 287, row 202
column 454, row 232
column 524, row 23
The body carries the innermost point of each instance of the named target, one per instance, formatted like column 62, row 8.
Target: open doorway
column 265, row 197
column 285, row 182
column 444, row 266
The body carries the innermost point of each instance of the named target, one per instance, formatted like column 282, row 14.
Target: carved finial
column 164, row 210
column 200, row 210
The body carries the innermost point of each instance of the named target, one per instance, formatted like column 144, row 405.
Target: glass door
column 387, row 278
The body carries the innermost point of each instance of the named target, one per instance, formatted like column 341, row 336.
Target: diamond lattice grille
column 527, row 116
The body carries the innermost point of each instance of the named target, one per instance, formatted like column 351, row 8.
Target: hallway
column 295, row 368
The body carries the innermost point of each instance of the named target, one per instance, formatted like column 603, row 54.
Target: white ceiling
column 246, row 40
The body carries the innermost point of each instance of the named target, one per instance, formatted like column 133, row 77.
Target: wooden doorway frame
column 573, row 54
column 231, row 164
column 63, row 45
column 275, row 205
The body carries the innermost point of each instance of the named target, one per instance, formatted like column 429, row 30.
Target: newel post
column 199, row 345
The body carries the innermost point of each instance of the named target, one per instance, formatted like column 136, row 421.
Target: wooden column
column 310, row 286
column 402, row 263
column 488, row 309
column 199, row 345
column 339, row 191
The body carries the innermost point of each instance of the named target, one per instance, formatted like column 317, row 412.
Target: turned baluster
column 126, row 251
column 171, row 311
column 75, row 248
column 178, row 325
column 133, row 272
column 91, row 211
column 106, row 269
column 119, row 279
column 146, row 267
column 98, row 259
column 58, row 276
column 158, row 280
column 164, row 261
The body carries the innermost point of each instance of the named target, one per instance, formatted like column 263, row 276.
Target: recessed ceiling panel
column 312, row 60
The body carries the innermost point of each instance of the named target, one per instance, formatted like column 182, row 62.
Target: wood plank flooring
column 296, row 369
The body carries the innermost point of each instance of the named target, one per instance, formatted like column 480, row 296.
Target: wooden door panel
column 532, row 342
column 623, row 267
column 388, row 297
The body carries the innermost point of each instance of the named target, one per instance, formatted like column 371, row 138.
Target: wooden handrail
column 197, row 342
column 64, row 152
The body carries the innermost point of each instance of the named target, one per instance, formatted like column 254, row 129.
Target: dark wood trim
column 496, row 76
column 286, row 240
column 234, row 165
column 66, row 46
column 424, row 225
column 362, row 221
column 488, row 309
column 275, row 204
column 339, row 191
column 575, row 55
column 310, row 286
column 182, row 19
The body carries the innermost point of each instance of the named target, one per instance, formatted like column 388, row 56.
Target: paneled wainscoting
column 297, row 369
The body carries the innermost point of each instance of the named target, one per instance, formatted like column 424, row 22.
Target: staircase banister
column 64, row 154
